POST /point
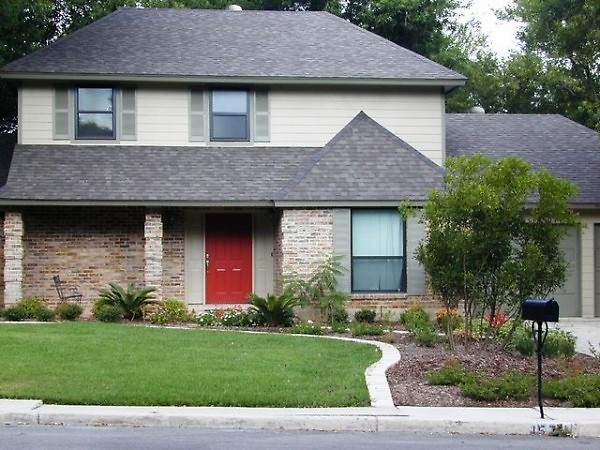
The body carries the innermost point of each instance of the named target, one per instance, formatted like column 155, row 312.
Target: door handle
column 206, row 261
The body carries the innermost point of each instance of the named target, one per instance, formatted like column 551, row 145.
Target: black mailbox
column 540, row 310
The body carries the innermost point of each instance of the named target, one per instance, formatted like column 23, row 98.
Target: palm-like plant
column 274, row 310
column 130, row 300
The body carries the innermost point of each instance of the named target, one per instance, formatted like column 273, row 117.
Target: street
column 91, row 438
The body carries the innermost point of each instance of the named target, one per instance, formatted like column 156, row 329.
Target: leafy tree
column 493, row 234
column 414, row 24
column 566, row 36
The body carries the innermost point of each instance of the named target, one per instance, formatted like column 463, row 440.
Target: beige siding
column 194, row 258
column 415, row 274
column 589, row 264
column 35, row 120
column 263, row 254
column 312, row 118
column 162, row 116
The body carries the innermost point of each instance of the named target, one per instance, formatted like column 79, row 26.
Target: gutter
column 447, row 84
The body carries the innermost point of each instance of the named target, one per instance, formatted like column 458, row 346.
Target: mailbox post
column 539, row 311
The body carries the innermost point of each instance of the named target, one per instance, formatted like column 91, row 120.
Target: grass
column 114, row 364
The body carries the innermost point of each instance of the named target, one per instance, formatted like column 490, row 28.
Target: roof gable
column 567, row 149
column 364, row 162
column 218, row 43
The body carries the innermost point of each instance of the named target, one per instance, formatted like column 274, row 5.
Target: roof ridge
column 296, row 179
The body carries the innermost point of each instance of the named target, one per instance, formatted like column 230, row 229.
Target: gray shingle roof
column 218, row 43
column 569, row 150
column 93, row 173
column 365, row 162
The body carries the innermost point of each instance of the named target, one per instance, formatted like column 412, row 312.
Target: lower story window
column 378, row 260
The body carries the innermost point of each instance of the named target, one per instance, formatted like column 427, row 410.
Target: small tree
column 493, row 235
column 320, row 289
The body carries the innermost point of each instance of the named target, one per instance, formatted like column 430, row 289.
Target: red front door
column 228, row 258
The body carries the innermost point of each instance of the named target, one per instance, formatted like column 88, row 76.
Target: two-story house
column 208, row 152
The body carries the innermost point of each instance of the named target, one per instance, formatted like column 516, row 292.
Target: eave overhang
column 447, row 84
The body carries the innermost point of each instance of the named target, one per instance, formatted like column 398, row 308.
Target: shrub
column 306, row 328
column 558, row 343
column 512, row 385
column 236, row 317
column 274, row 310
column 104, row 311
column 29, row 308
column 333, row 307
column 68, row 311
column 582, row 391
column 35, row 308
column 522, row 341
column 14, row 313
column 425, row 335
column 414, row 317
column 499, row 319
column 365, row 315
column 452, row 374
column 131, row 300
column 44, row 315
column 339, row 327
column 207, row 319
column 171, row 310
column 366, row 329
column 443, row 319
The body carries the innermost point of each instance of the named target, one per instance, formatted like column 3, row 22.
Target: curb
column 523, row 421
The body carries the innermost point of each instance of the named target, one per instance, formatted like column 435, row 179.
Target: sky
column 501, row 34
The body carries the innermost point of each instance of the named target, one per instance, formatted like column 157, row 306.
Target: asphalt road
column 93, row 438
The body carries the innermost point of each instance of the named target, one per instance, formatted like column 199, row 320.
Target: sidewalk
column 577, row 422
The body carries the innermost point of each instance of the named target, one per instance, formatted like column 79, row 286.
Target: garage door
column 597, row 268
column 569, row 297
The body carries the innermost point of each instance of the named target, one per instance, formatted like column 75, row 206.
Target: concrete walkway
column 587, row 332
column 381, row 416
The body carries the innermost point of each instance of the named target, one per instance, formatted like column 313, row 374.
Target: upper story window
column 85, row 113
column 95, row 113
column 378, row 259
column 229, row 115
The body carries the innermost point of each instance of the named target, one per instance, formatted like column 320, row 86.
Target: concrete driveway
column 587, row 332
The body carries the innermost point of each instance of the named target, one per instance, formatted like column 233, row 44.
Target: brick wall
column 87, row 246
column 392, row 304
column 303, row 240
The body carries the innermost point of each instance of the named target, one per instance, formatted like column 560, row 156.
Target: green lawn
column 113, row 364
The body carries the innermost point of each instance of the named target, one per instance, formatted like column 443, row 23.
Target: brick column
column 13, row 257
column 153, row 252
